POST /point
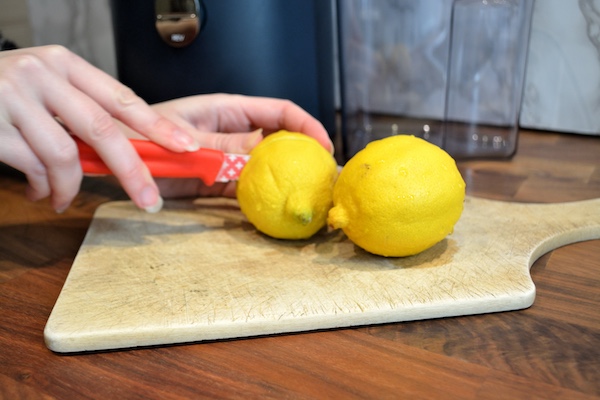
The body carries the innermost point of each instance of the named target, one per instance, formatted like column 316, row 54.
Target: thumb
column 240, row 143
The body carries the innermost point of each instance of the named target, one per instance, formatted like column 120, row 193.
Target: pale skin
column 48, row 94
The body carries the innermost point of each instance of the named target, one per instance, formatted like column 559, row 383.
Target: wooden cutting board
column 199, row 271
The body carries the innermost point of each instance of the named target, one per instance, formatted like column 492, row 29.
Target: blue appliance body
column 274, row 48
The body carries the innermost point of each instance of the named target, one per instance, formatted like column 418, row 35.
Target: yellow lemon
column 398, row 196
column 285, row 189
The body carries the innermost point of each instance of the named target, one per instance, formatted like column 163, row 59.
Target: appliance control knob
column 178, row 22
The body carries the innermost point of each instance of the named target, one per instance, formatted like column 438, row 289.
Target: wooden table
column 549, row 351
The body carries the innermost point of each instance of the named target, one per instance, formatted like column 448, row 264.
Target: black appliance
column 277, row 48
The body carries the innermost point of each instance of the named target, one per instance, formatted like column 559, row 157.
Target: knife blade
column 209, row 165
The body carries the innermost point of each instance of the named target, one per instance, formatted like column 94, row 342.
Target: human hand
column 233, row 124
column 48, row 93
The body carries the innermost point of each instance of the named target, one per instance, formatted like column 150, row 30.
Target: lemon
column 398, row 196
column 285, row 190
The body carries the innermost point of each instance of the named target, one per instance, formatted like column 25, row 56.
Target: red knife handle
column 162, row 163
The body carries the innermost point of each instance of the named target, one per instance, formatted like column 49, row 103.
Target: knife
column 209, row 165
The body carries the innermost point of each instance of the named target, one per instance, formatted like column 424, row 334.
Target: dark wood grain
column 549, row 351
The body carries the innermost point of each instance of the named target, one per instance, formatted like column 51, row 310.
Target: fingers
column 34, row 143
column 116, row 99
column 275, row 114
column 51, row 165
column 233, row 116
column 47, row 153
column 240, row 143
column 100, row 131
column 294, row 118
column 16, row 153
column 237, row 113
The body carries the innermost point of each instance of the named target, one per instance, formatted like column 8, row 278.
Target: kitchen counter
column 550, row 350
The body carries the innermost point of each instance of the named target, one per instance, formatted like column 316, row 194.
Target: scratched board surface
column 199, row 271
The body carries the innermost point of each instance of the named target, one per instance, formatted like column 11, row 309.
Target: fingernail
column 332, row 147
column 156, row 207
column 151, row 201
column 185, row 140
column 252, row 140
column 61, row 208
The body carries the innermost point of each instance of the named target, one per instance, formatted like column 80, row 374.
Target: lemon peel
column 286, row 188
column 398, row 196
